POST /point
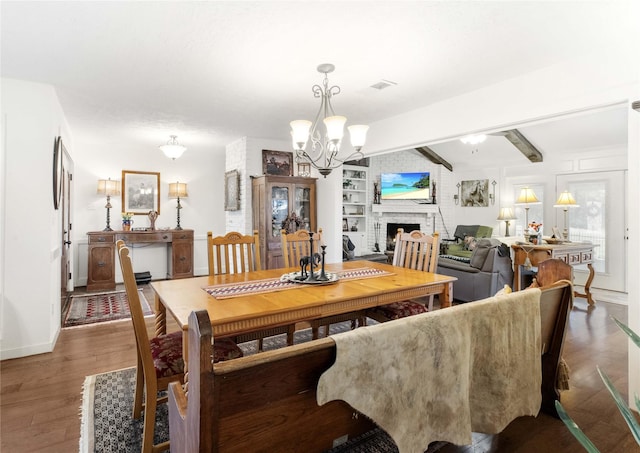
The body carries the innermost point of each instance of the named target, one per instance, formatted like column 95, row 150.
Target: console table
column 572, row 253
column 102, row 248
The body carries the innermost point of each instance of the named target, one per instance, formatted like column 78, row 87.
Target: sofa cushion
column 455, row 264
column 459, row 250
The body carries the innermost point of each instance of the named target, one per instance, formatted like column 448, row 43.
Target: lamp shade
column 335, row 127
column 566, row 200
column 300, row 132
column 527, row 196
column 108, row 187
column 178, row 190
column 172, row 149
column 506, row 214
column 358, row 134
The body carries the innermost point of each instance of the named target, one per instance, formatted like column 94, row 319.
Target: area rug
column 107, row 400
column 101, row 307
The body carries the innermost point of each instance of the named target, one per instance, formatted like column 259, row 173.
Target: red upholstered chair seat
column 399, row 310
column 166, row 351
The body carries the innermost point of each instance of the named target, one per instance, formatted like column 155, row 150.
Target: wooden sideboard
column 101, row 275
column 572, row 253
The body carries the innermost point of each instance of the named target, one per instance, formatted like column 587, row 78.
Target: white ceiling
column 212, row 72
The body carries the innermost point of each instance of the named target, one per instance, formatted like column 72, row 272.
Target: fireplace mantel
column 405, row 206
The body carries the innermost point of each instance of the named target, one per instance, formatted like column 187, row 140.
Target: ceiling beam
column 434, row 157
column 525, row 146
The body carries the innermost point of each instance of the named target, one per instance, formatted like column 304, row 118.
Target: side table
column 572, row 253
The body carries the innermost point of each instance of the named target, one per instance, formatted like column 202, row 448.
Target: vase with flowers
column 127, row 221
column 535, row 232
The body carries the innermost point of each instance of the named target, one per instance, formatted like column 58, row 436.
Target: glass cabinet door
column 279, row 208
column 303, row 207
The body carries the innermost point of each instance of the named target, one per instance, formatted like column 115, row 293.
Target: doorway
column 66, row 246
column 600, row 218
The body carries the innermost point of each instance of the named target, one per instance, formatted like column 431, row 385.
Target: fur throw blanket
column 444, row 374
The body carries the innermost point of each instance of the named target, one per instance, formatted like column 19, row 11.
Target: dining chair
column 415, row 250
column 233, row 253
column 236, row 253
column 159, row 359
column 297, row 245
column 551, row 271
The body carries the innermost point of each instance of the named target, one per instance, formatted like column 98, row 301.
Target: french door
column 600, row 219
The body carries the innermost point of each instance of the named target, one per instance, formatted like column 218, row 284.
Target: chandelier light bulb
column 300, row 132
column 335, row 127
column 358, row 135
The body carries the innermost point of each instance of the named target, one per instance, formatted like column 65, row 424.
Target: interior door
column 66, row 256
column 600, row 219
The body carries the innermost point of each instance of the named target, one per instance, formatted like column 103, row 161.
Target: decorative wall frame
column 474, row 193
column 140, row 192
column 58, row 150
column 232, row 190
column 277, row 163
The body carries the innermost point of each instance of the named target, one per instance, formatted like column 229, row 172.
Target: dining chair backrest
column 416, row 250
column 233, row 253
column 553, row 270
column 137, row 315
column 296, row 245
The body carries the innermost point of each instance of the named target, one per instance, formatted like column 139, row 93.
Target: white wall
column 31, row 239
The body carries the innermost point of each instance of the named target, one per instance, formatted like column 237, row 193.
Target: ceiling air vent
column 382, row 84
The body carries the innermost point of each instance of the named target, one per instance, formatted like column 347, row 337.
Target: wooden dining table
column 360, row 285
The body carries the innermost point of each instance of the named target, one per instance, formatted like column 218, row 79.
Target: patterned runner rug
column 276, row 284
column 92, row 308
column 107, row 401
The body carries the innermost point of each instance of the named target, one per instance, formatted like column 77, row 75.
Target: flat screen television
column 405, row 186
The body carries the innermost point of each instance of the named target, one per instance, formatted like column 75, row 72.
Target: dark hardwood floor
column 41, row 395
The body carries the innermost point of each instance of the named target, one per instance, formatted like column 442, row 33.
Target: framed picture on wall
column 140, row 192
column 277, row 163
column 232, row 190
column 475, row 193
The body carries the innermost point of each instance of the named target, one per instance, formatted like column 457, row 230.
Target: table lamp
column 506, row 214
column 527, row 197
column 108, row 187
column 566, row 201
column 178, row 190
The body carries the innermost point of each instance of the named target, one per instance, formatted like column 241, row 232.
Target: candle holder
column 323, row 276
column 312, row 275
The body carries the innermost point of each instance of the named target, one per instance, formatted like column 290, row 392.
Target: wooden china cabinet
column 274, row 198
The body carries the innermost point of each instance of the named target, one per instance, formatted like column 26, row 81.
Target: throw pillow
column 503, row 291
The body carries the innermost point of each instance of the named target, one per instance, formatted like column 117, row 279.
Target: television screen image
column 405, row 186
